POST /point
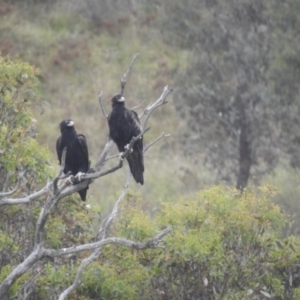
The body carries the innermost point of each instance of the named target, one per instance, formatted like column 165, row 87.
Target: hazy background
column 234, row 66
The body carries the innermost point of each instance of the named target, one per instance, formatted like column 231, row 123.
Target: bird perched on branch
column 123, row 125
column 77, row 156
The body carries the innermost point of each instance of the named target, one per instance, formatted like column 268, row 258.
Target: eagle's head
column 117, row 99
column 65, row 124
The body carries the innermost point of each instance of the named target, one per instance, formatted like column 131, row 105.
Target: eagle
column 123, row 125
column 77, row 156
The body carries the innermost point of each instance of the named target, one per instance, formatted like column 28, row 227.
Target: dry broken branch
column 101, row 105
column 60, row 174
column 139, row 105
column 163, row 135
column 124, row 78
column 151, row 243
column 102, row 157
column 159, row 102
column 97, row 246
column 27, row 199
column 105, row 224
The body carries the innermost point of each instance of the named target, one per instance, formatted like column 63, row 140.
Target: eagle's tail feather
column 136, row 165
column 83, row 193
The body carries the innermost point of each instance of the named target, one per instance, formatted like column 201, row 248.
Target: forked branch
column 159, row 102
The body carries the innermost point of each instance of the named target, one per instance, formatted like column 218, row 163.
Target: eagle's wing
column 84, row 148
column 137, row 155
column 58, row 149
column 133, row 121
column 136, row 122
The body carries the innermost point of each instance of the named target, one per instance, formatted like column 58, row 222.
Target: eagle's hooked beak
column 122, row 99
column 70, row 123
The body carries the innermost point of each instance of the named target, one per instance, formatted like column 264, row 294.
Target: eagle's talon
column 71, row 179
column 79, row 175
column 121, row 157
column 127, row 148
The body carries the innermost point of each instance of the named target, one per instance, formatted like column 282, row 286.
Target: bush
column 224, row 245
column 20, row 151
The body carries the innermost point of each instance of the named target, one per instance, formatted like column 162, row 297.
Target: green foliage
column 221, row 239
column 17, row 286
column 52, row 279
column 120, row 278
column 71, row 223
column 21, row 156
column 19, row 149
column 223, row 244
column 287, row 180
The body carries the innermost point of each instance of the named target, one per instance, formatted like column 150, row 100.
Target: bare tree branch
column 139, row 105
column 62, row 167
column 97, row 246
column 151, row 243
column 12, row 191
column 9, row 175
column 123, row 81
column 111, row 157
column 85, row 262
column 124, row 78
column 28, row 198
column 18, row 271
column 163, row 135
column 115, row 210
column 159, row 102
column 101, row 105
column 102, row 158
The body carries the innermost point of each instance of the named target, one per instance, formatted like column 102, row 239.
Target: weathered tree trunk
column 245, row 151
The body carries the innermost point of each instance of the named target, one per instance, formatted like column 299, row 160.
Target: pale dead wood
column 139, row 105
column 101, row 105
column 27, row 199
column 104, row 227
column 124, row 78
column 163, row 135
column 159, row 102
column 151, row 243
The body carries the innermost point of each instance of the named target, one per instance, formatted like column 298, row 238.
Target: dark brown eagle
column 123, row 125
column 77, row 156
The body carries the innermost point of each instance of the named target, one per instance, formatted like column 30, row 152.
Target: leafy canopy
column 223, row 244
column 19, row 150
